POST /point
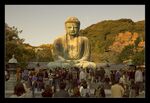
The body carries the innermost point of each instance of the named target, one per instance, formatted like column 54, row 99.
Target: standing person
column 38, row 68
column 7, row 75
column 92, row 75
column 112, row 75
column 74, row 78
column 97, row 75
column 25, row 74
column 85, row 91
column 82, row 75
column 100, row 92
column 34, row 84
column 50, row 76
column 107, row 81
column 117, row 75
column 40, row 83
column 45, row 77
column 132, row 93
column 138, row 80
column 117, row 91
column 62, row 93
column 102, row 74
column 18, row 74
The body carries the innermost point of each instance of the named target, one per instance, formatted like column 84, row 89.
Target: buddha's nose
column 72, row 28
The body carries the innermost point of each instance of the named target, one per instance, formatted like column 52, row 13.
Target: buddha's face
column 72, row 29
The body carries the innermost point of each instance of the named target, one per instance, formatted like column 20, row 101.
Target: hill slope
column 106, row 34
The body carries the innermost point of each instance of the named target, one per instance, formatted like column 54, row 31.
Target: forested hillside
column 111, row 40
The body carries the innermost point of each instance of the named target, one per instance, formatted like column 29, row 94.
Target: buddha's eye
column 69, row 27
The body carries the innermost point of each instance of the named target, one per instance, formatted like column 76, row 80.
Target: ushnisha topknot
column 72, row 19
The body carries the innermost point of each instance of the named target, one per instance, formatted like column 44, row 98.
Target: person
column 82, row 75
column 117, row 75
column 117, row 91
column 138, row 80
column 85, row 91
column 7, row 75
column 100, row 92
column 47, row 91
column 71, row 48
column 20, row 92
column 76, row 92
column 25, row 74
column 102, row 74
column 38, row 68
column 18, row 74
column 62, row 93
column 132, row 93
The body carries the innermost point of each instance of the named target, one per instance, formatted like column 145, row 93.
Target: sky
column 42, row 24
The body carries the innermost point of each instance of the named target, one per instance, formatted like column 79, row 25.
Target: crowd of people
column 78, row 82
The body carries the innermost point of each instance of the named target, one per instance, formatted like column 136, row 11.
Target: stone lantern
column 9, row 85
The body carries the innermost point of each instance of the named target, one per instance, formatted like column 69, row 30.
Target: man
column 117, row 91
column 71, row 48
column 82, row 75
column 38, row 68
column 138, row 80
column 62, row 93
column 7, row 75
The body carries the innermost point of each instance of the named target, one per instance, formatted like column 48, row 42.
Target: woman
column 19, row 91
column 47, row 91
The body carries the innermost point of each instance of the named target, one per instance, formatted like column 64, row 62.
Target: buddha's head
column 72, row 25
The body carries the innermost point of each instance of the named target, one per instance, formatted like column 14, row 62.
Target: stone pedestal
column 10, row 84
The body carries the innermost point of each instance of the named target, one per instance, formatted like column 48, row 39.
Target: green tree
column 15, row 45
column 139, row 57
column 45, row 54
column 127, row 53
column 11, row 41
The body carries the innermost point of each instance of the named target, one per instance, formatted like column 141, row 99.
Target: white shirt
column 82, row 75
column 84, row 92
column 138, row 76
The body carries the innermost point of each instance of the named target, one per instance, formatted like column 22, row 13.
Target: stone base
column 82, row 64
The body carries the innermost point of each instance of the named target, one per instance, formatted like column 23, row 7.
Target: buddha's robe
column 75, row 51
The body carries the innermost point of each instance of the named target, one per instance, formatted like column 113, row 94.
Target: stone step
column 12, row 79
column 8, row 93
column 11, row 82
column 9, row 85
